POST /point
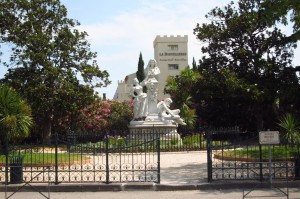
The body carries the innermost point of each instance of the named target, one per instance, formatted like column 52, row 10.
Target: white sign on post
column 269, row 137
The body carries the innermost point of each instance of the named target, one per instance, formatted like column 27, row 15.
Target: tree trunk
column 259, row 117
column 47, row 127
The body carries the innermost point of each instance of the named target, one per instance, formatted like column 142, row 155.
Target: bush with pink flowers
column 105, row 115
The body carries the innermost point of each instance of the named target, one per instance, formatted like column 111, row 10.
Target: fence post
column 6, row 159
column 209, row 160
column 201, row 144
column 260, row 164
column 158, row 160
column 56, row 158
column 106, row 158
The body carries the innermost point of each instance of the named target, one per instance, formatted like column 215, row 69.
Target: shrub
column 100, row 116
column 291, row 128
column 191, row 140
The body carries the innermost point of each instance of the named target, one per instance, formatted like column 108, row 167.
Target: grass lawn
column 48, row 158
column 278, row 152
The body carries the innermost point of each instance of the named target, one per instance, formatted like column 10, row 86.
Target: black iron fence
column 182, row 140
column 233, row 155
column 82, row 158
column 87, row 157
column 93, row 157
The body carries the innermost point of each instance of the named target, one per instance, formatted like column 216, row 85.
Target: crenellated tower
column 171, row 55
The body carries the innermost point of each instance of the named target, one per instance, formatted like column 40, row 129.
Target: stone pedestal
column 149, row 130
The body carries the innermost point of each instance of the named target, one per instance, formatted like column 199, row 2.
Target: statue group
column 145, row 105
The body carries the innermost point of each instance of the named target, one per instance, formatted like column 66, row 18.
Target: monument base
column 154, row 129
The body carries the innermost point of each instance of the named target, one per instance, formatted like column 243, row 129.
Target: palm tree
column 291, row 128
column 15, row 115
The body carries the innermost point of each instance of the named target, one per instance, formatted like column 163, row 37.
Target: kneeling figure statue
column 166, row 114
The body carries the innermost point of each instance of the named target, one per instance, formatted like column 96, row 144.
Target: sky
column 120, row 29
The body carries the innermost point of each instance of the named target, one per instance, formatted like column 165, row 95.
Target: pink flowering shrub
column 112, row 115
column 95, row 117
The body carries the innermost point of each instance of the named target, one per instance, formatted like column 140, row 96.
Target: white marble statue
column 166, row 114
column 139, row 101
column 146, row 109
column 151, row 82
column 152, row 70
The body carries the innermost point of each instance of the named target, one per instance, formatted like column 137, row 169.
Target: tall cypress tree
column 140, row 72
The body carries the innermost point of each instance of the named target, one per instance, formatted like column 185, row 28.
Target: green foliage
column 51, row 64
column 116, row 142
column 277, row 152
column 100, row 146
column 175, row 141
column 247, row 65
column 179, row 88
column 225, row 99
column 112, row 115
column 121, row 115
column 140, row 72
column 189, row 115
column 15, row 114
column 291, row 128
column 280, row 10
column 87, row 147
column 192, row 140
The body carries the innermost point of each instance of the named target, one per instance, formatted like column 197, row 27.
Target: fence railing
column 184, row 140
column 83, row 158
column 229, row 151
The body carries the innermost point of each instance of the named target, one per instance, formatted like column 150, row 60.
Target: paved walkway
column 184, row 167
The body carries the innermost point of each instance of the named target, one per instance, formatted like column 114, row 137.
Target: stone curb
column 94, row 187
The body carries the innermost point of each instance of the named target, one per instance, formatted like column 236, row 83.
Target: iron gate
column 84, row 158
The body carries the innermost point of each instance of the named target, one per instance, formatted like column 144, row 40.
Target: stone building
column 171, row 55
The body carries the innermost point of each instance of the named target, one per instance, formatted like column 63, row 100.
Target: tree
column 179, row 88
column 56, row 71
column 15, row 115
column 245, row 41
column 140, row 74
column 279, row 11
column 223, row 99
column 121, row 115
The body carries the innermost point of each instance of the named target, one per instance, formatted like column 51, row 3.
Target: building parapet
column 170, row 39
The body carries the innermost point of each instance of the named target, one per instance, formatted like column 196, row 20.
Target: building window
column 172, row 47
column 173, row 66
